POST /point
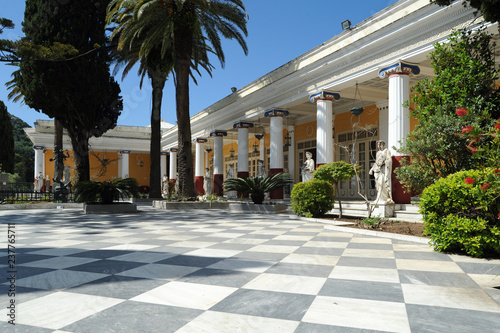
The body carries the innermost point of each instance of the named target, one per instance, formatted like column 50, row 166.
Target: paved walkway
column 209, row 271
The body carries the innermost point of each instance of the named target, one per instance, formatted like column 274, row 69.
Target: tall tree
column 79, row 93
column 182, row 30
column 23, row 148
column 7, row 140
column 466, row 76
column 490, row 9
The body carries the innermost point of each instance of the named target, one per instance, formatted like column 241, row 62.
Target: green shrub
column 107, row 191
column 313, row 198
column 461, row 213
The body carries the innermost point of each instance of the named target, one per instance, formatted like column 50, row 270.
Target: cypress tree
column 79, row 93
column 7, row 141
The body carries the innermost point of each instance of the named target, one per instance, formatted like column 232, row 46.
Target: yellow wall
column 344, row 121
column 141, row 174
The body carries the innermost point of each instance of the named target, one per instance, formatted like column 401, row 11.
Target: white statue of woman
column 39, row 182
column 381, row 170
column 261, row 169
column 164, row 186
column 308, row 167
column 207, row 182
column 230, row 175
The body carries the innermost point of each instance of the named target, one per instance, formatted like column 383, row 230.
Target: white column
column 163, row 164
column 399, row 93
column 324, row 126
column 262, row 148
column 276, row 164
column 383, row 121
column 218, row 177
column 199, row 158
column 125, row 163
column 173, row 164
column 39, row 161
column 243, row 148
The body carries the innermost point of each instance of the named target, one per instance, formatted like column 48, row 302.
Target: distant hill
column 23, row 148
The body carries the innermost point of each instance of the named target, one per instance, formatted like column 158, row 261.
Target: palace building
column 335, row 101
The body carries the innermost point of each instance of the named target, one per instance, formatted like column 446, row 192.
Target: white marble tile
column 221, row 322
column 58, row 279
column 294, row 237
column 58, row 251
column 358, row 313
column 371, row 240
column 59, row 262
column 143, row 256
column 177, row 237
column 485, row 280
column 188, row 295
column 450, row 297
column 413, row 247
column 132, row 247
column 322, row 244
column 122, row 240
column 208, row 230
column 335, row 234
column 297, row 258
column 287, row 283
column 61, row 243
column 213, row 253
column 194, row 244
column 428, row 265
column 59, row 309
column 243, row 240
column 159, row 271
column 226, row 235
column 365, row 274
column 269, row 232
column 242, row 265
column 368, row 253
column 274, row 248
column 463, row 258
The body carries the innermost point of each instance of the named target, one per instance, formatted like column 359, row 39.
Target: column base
column 398, row 192
column 276, row 194
column 198, row 183
column 218, row 185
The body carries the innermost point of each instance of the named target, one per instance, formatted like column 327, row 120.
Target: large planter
column 251, row 208
column 163, row 204
column 114, row 208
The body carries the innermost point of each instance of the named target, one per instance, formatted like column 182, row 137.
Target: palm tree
column 183, row 31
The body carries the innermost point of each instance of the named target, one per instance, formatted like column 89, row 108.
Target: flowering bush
column 462, row 212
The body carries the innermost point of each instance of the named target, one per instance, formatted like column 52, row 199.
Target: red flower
column 485, row 186
column 473, row 150
column 497, row 127
column 469, row 180
column 496, row 171
column 461, row 112
column 467, row 129
column 499, row 215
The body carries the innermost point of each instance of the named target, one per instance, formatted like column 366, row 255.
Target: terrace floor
column 211, row 271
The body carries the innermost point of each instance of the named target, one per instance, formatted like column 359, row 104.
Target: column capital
column 243, row 124
column 324, row 95
column 173, row 150
column 218, row 133
column 38, row 147
column 163, row 153
column 200, row 140
column 125, row 151
column 276, row 113
column 401, row 68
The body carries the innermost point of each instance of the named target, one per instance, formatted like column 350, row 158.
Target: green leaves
column 106, row 191
column 258, row 185
column 313, row 198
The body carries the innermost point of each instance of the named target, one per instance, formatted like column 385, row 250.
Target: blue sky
column 278, row 32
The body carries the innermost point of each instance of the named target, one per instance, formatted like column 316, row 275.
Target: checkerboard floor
column 210, row 271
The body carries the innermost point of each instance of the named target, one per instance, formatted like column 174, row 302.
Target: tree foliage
column 490, row 9
column 465, row 78
column 23, row 149
column 183, row 30
column 80, row 93
column 7, row 140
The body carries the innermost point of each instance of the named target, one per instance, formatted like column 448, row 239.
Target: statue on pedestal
column 261, row 169
column 230, row 175
column 308, row 167
column 381, row 170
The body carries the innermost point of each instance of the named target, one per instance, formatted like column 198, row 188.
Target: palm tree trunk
column 58, row 152
column 157, row 82
column 183, row 41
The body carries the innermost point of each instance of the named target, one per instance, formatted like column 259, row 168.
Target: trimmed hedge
column 461, row 213
column 313, row 198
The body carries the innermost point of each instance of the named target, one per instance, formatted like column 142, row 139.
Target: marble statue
column 164, row 186
column 39, row 182
column 230, row 175
column 207, row 182
column 381, row 170
column 308, row 167
column 261, row 169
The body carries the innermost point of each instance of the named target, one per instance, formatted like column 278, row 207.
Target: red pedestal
column 198, row 183
column 218, row 185
column 277, row 194
column 398, row 193
column 317, row 165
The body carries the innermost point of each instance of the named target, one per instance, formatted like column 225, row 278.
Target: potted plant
column 92, row 192
column 257, row 187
